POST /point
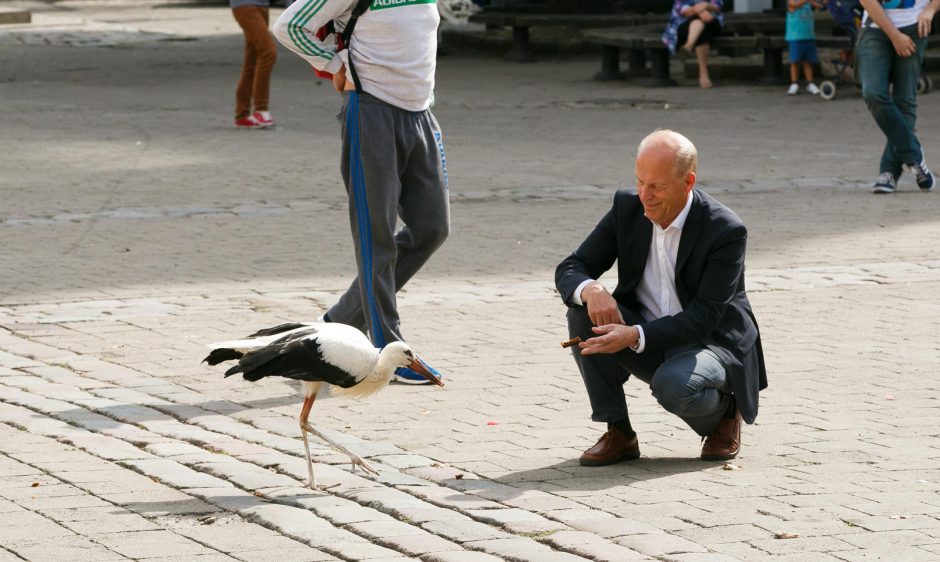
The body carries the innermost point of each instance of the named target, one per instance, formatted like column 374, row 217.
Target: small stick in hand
column 571, row 342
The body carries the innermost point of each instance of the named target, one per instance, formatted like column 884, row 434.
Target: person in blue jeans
column 801, row 40
column 889, row 57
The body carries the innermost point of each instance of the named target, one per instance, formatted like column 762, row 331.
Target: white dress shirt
column 656, row 292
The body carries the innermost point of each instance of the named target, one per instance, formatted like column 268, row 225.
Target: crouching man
column 679, row 318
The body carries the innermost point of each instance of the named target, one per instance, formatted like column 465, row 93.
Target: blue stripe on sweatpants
column 358, row 181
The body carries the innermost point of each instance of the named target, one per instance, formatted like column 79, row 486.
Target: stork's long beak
column 419, row 367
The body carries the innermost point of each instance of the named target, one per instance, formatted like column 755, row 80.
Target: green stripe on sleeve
column 295, row 29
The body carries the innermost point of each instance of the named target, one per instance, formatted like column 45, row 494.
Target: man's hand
column 611, row 339
column 903, row 45
column 340, row 82
column 601, row 307
column 925, row 21
column 339, row 79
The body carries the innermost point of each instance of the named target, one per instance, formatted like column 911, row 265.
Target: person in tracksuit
column 393, row 161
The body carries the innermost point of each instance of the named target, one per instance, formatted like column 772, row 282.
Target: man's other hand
column 925, row 21
column 611, row 339
column 601, row 307
column 340, row 82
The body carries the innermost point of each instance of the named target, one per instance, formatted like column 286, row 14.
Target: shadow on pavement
column 569, row 476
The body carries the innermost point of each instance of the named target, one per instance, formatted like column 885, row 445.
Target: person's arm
column 793, row 5
column 297, row 27
column 903, row 45
column 575, row 277
column 596, row 254
column 704, row 6
column 708, row 10
column 925, row 18
column 688, row 10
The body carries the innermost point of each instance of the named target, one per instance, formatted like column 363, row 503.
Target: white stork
column 318, row 353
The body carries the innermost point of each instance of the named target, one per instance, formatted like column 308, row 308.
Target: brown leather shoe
column 725, row 442
column 611, row 448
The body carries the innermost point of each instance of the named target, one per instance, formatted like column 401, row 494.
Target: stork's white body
column 317, row 354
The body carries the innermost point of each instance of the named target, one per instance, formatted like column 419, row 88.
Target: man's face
column 662, row 192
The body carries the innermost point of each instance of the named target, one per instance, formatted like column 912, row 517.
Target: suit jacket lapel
column 643, row 236
column 690, row 232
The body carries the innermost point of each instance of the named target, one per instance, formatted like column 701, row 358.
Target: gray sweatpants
column 393, row 166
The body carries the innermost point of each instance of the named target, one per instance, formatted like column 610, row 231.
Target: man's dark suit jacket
column 709, row 282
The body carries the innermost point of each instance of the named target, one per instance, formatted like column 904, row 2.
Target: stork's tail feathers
column 233, row 371
column 217, row 356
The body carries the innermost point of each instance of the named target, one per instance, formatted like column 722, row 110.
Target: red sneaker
column 248, row 122
column 263, row 118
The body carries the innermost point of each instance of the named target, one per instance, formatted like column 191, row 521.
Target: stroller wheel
column 827, row 89
column 924, row 84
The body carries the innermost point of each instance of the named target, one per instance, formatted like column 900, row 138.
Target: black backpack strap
column 361, row 7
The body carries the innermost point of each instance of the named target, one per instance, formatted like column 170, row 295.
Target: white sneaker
column 794, row 89
column 812, row 88
column 922, row 175
column 886, row 183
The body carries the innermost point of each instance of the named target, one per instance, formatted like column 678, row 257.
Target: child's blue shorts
column 803, row 50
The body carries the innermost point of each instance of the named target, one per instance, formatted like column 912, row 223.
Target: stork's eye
column 409, row 353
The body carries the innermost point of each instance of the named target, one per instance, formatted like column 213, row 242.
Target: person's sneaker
column 405, row 375
column 922, row 175
column 886, row 183
column 794, row 89
column 263, row 118
column 812, row 88
column 248, row 122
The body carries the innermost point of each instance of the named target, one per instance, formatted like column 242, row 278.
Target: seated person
column 692, row 25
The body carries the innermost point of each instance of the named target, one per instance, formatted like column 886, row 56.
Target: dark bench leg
column 773, row 66
column 659, row 71
column 520, row 45
column 637, row 59
column 610, row 64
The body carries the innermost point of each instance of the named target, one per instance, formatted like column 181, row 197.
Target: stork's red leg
column 304, row 414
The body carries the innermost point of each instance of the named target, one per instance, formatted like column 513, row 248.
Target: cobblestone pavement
column 137, row 226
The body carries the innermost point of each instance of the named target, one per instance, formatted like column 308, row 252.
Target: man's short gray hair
column 685, row 151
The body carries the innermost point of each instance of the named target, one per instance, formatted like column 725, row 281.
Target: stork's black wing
column 280, row 328
column 300, row 359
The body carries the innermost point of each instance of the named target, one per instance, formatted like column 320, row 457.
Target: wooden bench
column 520, row 22
column 9, row 15
column 645, row 44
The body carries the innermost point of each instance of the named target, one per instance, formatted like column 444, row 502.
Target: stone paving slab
column 95, row 529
